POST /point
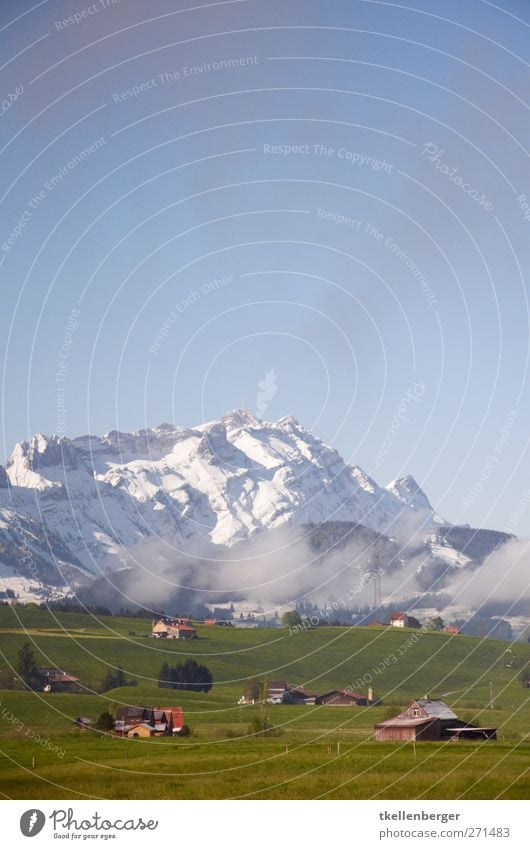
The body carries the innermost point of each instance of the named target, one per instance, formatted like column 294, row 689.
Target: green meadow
column 307, row 752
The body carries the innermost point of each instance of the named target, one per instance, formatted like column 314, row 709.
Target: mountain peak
column 221, row 482
column 240, row 418
column 409, row 492
column 288, row 421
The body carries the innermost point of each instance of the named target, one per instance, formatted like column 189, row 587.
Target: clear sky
column 330, row 199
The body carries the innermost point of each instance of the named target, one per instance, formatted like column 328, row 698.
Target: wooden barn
column 400, row 730
column 343, row 698
column 423, row 719
column 299, row 696
column 429, row 719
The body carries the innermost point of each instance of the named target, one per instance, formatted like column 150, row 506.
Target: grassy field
column 310, row 751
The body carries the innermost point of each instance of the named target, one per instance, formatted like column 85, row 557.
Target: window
column 415, row 712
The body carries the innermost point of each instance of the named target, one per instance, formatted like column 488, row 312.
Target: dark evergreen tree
column 27, row 668
column 164, row 676
column 189, row 675
column 105, row 722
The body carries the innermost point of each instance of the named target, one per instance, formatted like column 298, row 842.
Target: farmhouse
column 428, row 719
column 403, row 620
column 277, row 690
column 56, row 680
column 148, row 721
column 173, row 628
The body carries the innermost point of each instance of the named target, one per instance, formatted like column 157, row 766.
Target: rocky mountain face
column 70, row 508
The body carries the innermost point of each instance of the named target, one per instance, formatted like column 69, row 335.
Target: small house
column 55, row 680
column 452, row 629
column 403, row 620
column 142, row 729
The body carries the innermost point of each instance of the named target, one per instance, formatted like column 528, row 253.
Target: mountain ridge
column 89, row 500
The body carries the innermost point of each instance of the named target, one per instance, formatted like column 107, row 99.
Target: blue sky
column 332, row 192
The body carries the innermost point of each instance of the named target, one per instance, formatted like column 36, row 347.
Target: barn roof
column 130, row 713
column 343, row 692
column 400, row 722
column 436, row 709
column 303, row 692
column 470, row 728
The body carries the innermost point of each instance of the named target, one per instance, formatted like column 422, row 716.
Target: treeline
column 189, row 675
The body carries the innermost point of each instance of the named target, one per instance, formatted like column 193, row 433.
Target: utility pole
column 492, row 704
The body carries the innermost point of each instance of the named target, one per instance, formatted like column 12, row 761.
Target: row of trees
column 189, row 675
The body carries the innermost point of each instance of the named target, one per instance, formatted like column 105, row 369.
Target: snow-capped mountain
column 70, row 506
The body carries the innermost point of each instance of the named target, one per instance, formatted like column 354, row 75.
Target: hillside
column 308, row 751
column 319, row 659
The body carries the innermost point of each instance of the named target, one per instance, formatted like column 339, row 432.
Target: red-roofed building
column 136, row 721
column 173, row 629
column 174, row 718
column 403, row 620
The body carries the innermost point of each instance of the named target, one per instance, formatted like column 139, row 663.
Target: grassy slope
column 220, row 760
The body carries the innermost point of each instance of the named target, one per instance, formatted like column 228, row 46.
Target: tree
column 164, row 676
column 253, row 690
column 105, row 721
column 291, row 618
column 115, row 678
column 27, row 668
column 189, row 675
column 8, row 680
column 436, row 623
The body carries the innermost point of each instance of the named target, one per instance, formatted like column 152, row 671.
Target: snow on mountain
column 219, row 483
